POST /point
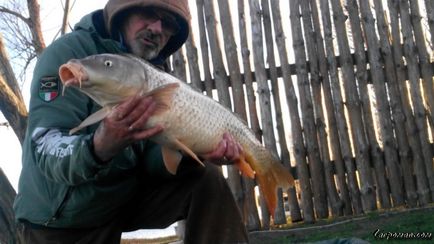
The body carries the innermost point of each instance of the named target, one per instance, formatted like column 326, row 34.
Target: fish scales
column 193, row 112
column 193, row 122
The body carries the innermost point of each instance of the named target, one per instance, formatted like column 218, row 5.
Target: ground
column 375, row 227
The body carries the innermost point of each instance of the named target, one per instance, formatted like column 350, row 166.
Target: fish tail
column 244, row 167
column 270, row 174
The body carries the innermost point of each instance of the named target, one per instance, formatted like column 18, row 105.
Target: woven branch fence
column 341, row 90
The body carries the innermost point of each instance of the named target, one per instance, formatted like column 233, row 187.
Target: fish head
column 106, row 78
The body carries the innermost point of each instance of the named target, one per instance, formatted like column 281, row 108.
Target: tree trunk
column 193, row 64
column 427, row 81
column 248, row 77
column 396, row 107
column 336, row 203
column 9, row 230
column 296, row 130
column 410, row 52
column 410, row 134
column 263, row 88
column 219, row 71
column 383, row 106
column 178, row 65
column 361, row 147
column 309, row 127
column 362, row 79
column 337, row 102
column 429, row 4
column 204, row 47
column 251, row 216
column 11, row 101
column 279, row 215
column 246, row 201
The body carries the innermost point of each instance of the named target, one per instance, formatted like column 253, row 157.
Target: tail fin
column 244, row 167
column 270, row 174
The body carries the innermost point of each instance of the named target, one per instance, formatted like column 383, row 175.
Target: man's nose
column 156, row 27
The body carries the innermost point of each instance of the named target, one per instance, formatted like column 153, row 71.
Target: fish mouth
column 72, row 74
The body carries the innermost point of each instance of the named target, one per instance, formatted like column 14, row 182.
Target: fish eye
column 108, row 63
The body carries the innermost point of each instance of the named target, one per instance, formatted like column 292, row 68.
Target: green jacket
column 61, row 183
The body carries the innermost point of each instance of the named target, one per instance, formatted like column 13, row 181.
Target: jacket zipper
column 60, row 208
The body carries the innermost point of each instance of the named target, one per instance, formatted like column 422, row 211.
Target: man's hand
column 227, row 151
column 123, row 126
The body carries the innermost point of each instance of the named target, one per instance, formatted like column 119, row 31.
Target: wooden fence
column 352, row 117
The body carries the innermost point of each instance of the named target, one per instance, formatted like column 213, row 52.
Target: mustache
column 146, row 34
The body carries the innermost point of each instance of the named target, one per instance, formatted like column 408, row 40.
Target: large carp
column 192, row 122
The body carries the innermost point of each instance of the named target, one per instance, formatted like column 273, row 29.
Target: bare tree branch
column 17, row 36
column 5, row 124
column 35, row 26
column 16, row 14
column 66, row 10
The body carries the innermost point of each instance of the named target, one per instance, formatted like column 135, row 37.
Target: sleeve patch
column 49, row 88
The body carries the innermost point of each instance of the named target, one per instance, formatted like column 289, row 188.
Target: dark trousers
column 199, row 195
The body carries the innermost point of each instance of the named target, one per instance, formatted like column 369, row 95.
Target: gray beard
column 143, row 52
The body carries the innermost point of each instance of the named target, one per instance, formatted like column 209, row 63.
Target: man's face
column 147, row 31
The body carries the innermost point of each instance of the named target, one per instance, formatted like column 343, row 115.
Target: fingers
column 142, row 114
column 219, row 152
column 226, row 152
column 126, row 124
column 125, row 108
column 134, row 113
column 234, row 149
column 143, row 134
column 133, row 109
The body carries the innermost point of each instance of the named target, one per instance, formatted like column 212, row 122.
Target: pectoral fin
column 92, row 119
column 171, row 158
column 163, row 96
column 187, row 150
